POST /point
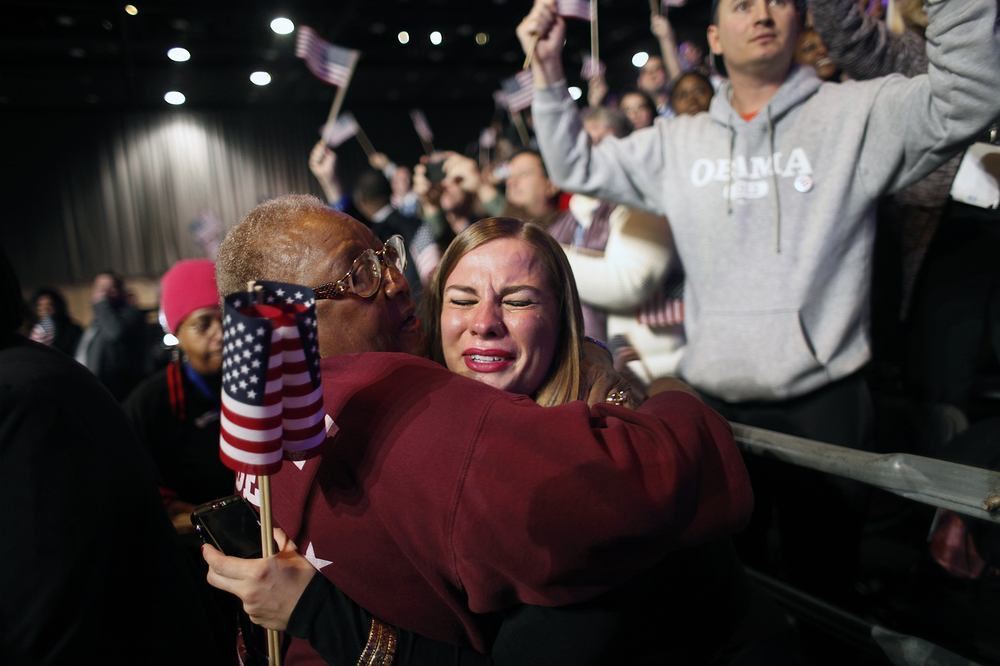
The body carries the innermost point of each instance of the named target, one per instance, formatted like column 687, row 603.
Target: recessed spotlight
column 131, row 10
column 575, row 92
column 174, row 97
column 403, row 37
column 482, row 38
column 178, row 54
column 260, row 78
column 640, row 59
column 282, row 26
column 436, row 38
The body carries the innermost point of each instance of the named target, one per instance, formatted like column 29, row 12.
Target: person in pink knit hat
column 176, row 411
column 175, row 414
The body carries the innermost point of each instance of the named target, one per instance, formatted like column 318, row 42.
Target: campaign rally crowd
column 486, row 398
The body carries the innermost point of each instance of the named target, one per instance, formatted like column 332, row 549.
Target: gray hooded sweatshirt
column 773, row 217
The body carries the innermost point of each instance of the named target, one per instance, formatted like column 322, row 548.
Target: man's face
column 383, row 322
column 653, row 76
column 755, row 37
column 527, row 185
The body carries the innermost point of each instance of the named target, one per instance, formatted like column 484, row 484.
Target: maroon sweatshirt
column 441, row 498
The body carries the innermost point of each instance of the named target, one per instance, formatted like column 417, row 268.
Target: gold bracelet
column 380, row 649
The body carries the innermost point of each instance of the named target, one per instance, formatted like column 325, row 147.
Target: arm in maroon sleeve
column 558, row 505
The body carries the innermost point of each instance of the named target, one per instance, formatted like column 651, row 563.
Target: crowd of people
column 530, row 355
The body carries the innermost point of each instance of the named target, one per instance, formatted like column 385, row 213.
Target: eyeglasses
column 365, row 276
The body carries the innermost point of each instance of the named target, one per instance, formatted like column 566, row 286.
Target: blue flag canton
column 246, row 350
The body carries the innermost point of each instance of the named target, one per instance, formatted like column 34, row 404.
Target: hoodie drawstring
column 774, row 182
column 729, row 184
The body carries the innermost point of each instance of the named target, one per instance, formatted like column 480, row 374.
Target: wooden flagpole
column 266, row 526
column 531, row 50
column 338, row 100
column 522, row 130
column 366, row 144
column 595, row 54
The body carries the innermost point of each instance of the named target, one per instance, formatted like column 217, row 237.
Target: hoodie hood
column 801, row 84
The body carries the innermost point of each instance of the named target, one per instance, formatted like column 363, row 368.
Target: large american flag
column 518, row 91
column 272, row 398
column 340, row 130
column 421, row 126
column 579, row 9
column 329, row 62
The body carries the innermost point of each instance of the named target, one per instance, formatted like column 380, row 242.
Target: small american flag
column 591, row 68
column 662, row 311
column 340, row 130
column 518, row 91
column 330, row 63
column 579, row 9
column 488, row 138
column 422, row 127
column 272, row 399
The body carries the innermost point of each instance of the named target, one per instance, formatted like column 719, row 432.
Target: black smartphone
column 435, row 171
column 231, row 525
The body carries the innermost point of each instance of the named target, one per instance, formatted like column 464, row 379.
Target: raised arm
column 926, row 119
column 863, row 46
column 625, row 171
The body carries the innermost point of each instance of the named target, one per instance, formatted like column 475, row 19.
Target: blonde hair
column 563, row 381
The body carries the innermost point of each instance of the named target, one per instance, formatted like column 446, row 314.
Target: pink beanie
column 186, row 287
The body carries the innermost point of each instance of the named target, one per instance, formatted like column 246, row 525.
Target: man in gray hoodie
column 771, row 197
column 771, row 193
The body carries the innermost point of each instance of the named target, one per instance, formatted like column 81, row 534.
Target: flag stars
column 232, row 388
column 255, row 364
column 299, row 295
column 258, row 348
column 238, row 343
column 244, row 370
column 251, row 394
column 260, row 331
column 248, row 337
column 280, row 292
column 237, row 304
column 253, row 379
column 240, row 327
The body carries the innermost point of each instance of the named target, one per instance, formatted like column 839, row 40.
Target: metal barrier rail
column 971, row 491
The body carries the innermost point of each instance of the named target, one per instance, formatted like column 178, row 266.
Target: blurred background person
column 53, row 325
column 114, row 345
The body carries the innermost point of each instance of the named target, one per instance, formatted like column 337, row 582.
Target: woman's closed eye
column 462, row 302
column 518, row 303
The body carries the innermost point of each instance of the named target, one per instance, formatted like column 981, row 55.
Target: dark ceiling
column 88, row 54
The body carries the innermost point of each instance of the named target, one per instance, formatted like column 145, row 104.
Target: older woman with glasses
column 503, row 309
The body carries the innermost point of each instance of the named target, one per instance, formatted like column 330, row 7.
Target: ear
column 714, row 44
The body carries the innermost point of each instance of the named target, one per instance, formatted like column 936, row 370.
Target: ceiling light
column 482, row 38
column 435, row 38
column 174, row 97
column 260, row 78
column 640, row 58
column 575, row 92
column 403, row 37
column 282, row 26
column 131, row 10
column 178, row 54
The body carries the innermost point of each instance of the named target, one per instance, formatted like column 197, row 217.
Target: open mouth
column 823, row 62
column 487, row 360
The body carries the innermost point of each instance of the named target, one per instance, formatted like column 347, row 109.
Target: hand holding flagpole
column 272, row 400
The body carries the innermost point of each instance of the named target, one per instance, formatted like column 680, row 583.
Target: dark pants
column 806, row 525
